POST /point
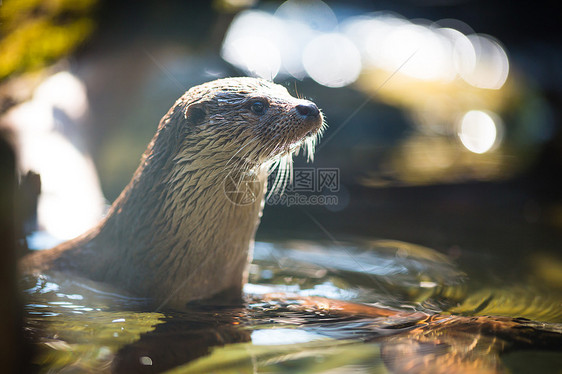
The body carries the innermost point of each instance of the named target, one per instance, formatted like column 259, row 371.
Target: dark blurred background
column 444, row 115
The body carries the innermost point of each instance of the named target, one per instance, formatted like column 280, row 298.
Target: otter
column 183, row 229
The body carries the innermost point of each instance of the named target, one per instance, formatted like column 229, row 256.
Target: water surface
column 83, row 326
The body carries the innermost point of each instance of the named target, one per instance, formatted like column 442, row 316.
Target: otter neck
column 191, row 218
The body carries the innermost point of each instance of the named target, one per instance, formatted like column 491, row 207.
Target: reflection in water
column 404, row 327
column 380, row 271
column 447, row 344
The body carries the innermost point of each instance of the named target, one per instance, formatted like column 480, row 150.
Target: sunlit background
column 450, row 81
column 444, row 128
column 444, row 117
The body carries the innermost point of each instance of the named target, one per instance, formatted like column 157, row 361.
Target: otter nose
column 308, row 109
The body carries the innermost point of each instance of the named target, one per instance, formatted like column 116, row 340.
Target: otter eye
column 258, row 107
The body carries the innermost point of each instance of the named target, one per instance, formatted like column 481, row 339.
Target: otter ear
column 195, row 113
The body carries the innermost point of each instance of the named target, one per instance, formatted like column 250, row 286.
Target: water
column 285, row 326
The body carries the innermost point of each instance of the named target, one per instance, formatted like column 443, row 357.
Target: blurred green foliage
column 34, row 33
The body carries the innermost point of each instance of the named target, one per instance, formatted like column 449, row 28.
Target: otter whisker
column 284, row 163
column 254, row 139
column 284, row 166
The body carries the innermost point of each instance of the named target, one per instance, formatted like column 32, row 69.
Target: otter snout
column 307, row 110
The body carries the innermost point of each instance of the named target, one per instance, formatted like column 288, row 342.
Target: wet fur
column 173, row 234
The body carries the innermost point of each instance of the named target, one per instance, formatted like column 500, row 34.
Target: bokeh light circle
column 479, row 131
column 332, row 60
column 252, row 44
column 492, row 64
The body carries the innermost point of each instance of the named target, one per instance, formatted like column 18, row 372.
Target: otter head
column 249, row 121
